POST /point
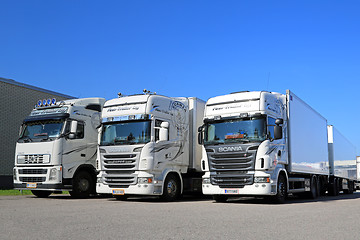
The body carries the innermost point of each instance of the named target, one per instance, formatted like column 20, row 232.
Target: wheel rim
column 171, row 188
column 84, row 185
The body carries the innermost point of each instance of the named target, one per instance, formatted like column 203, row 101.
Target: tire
column 322, row 189
column 351, row 187
column 220, row 198
column 83, row 185
column 171, row 190
column 41, row 194
column 281, row 191
column 337, row 187
column 334, row 187
column 313, row 194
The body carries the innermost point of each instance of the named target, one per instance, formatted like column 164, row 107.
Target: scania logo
column 230, row 149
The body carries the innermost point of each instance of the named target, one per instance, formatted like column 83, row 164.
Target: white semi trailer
column 264, row 144
column 342, row 163
column 57, row 147
column 148, row 146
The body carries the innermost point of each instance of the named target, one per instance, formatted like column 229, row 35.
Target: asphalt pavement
column 61, row 217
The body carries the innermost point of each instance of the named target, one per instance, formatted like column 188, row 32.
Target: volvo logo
column 230, row 149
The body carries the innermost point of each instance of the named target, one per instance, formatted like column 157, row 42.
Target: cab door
column 74, row 150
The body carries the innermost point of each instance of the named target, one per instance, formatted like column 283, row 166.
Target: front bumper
column 39, row 178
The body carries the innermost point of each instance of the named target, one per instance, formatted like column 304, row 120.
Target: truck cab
column 148, row 146
column 243, row 144
column 57, row 147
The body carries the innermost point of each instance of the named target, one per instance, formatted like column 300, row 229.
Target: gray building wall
column 16, row 102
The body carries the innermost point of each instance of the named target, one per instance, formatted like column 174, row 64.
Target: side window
column 80, row 130
column 157, row 129
column 270, row 127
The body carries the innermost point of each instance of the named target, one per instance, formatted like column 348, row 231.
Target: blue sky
column 201, row 48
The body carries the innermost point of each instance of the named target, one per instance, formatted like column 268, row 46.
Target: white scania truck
column 148, row 146
column 57, row 147
column 265, row 144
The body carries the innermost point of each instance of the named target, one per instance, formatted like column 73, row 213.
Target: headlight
column 138, row 149
column 206, row 181
column 142, row 180
column 53, row 173
column 21, row 159
column 261, row 179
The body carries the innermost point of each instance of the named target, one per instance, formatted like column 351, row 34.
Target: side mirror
column 73, row 129
column 200, row 135
column 278, row 129
column 164, row 131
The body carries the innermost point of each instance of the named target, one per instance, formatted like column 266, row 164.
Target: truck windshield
column 123, row 133
column 236, row 131
column 42, row 130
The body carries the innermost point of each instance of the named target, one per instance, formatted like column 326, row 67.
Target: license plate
column 118, row 192
column 231, row 191
column 31, row 185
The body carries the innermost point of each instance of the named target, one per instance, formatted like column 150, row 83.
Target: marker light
column 39, row 103
column 49, row 102
column 53, row 101
column 44, row 102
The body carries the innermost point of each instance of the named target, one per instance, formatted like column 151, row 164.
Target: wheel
column 313, row 194
column 171, row 190
column 281, row 192
column 41, row 194
column 322, row 189
column 220, row 198
column 351, row 187
column 337, row 184
column 83, row 185
column 334, row 187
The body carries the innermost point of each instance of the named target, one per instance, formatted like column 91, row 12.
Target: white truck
column 264, row 144
column 57, row 147
column 342, row 163
column 148, row 146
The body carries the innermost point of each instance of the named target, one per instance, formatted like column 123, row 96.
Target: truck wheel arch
column 87, row 168
column 177, row 175
column 283, row 172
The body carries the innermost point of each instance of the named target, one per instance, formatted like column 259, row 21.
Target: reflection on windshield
column 42, row 129
column 126, row 133
column 236, row 131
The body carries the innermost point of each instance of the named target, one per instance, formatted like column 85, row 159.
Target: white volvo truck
column 264, row 144
column 148, row 146
column 57, row 147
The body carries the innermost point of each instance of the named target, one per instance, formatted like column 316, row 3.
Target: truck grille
column 119, row 169
column 32, row 179
column 32, row 171
column 230, row 170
